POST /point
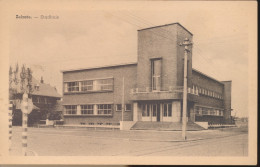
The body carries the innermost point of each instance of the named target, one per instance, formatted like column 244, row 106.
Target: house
column 153, row 86
column 44, row 100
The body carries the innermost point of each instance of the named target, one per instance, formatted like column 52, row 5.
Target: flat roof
column 166, row 25
column 207, row 76
column 97, row 67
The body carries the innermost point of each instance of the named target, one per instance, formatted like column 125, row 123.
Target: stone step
column 174, row 126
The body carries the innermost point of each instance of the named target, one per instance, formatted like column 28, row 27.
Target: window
column 86, row 86
column 72, row 87
column 87, row 109
column 197, row 110
column 128, row 107
column 42, row 100
column 143, row 110
column 103, row 84
column 118, row 107
column 154, row 110
column 156, row 66
column 167, row 110
column 212, row 112
column 71, row 109
column 104, row 109
column 204, row 111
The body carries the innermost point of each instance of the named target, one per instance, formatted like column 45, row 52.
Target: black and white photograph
column 129, row 82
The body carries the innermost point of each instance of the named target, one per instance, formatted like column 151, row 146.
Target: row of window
column 89, row 85
column 151, row 109
column 95, row 109
column 208, row 111
column 42, row 100
column 206, row 92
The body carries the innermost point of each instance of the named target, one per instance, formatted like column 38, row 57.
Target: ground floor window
column 87, row 109
column 128, row 107
column 201, row 110
column 104, row 109
column 167, row 110
column 154, row 110
column 71, row 109
column 145, row 110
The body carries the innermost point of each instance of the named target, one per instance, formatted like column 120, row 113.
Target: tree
column 25, row 81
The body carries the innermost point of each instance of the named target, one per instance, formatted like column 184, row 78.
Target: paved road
column 80, row 142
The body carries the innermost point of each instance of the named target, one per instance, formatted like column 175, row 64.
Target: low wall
column 203, row 124
column 126, row 125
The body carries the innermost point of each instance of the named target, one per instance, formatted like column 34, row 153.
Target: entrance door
column 158, row 112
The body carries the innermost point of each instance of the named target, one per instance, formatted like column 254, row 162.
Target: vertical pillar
column 176, row 111
column 10, row 118
column 78, row 110
column 135, row 111
column 24, row 126
column 95, row 109
column 161, row 112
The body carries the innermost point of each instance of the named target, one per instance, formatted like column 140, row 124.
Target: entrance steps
column 165, row 126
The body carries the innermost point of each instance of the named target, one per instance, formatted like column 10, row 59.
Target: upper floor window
column 71, row 87
column 89, row 85
column 86, row 85
column 156, row 68
column 103, row 84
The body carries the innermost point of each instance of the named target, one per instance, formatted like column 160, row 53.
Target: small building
column 44, row 99
column 153, row 86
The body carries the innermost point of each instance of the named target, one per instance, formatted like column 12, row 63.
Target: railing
column 174, row 89
column 177, row 89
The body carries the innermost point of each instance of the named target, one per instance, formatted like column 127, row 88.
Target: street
column 87, row 142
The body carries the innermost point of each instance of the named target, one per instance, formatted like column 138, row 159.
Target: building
column 44, row 99
column 153, row 86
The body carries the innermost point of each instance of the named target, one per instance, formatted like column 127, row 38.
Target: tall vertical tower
column 160, row 58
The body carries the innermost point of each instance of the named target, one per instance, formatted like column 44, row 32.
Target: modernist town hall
column 153, row 86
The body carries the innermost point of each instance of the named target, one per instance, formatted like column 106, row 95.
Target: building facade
column 152, row 89
column 44, row 100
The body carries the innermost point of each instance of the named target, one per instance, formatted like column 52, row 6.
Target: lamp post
column 186, row 43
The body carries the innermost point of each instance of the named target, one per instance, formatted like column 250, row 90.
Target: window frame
column 71, row 109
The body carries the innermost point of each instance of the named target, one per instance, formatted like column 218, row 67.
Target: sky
column 97, row 36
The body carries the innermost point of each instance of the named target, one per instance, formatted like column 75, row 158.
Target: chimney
column 42, row 80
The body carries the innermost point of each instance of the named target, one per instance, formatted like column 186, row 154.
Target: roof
column 166, row 25
column 206, row 76
column 44, row 89
column 97, row 67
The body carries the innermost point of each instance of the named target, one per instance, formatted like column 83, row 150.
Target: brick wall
column 209, row 84
column 113, row 97
column 227, row 100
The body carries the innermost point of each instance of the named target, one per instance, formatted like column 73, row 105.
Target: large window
column 104, row 109
column 145, row 110
column 154, row 110
column 167, row 110
column 208, row 111
column 86, row 85
column 103, row 84
column 71, row 109
column 72, row 87
column 89, row 85
column 87, row 109
column 156, row 67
